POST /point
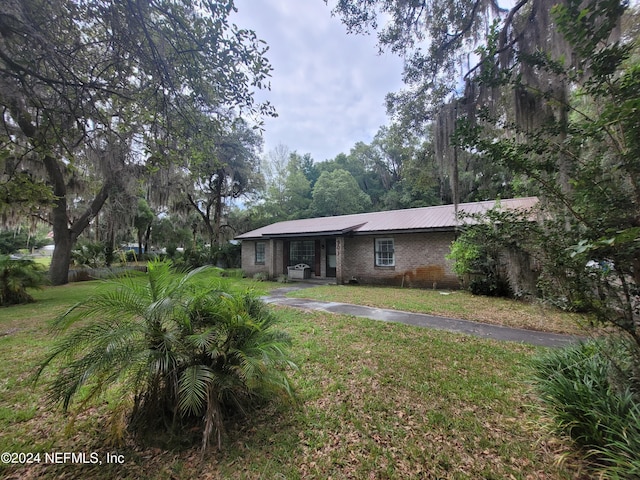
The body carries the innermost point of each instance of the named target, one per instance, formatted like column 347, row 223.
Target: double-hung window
column 385, row 252
column 260, row 253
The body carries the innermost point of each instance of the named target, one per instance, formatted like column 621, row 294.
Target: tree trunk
column 59, row 269
column 147, row 237
column 65, row 235
column 139, row 243
column 217, row 215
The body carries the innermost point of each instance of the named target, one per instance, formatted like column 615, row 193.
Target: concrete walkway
column 484, row 330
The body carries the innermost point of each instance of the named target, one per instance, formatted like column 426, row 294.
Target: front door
column 331, row 257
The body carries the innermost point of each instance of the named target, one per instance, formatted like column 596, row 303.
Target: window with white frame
column 260, row 253
column 385, row 252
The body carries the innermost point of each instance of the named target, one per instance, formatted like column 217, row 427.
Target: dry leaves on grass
column 377, row 401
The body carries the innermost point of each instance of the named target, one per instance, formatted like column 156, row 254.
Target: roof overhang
column 351, row 232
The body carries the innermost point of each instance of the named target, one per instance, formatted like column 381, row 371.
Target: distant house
column 397, row 247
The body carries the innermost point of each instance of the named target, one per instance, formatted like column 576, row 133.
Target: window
column 260, row 253
column 302, row 251
column 385, row 252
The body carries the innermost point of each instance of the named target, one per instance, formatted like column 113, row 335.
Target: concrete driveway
column 484, row 330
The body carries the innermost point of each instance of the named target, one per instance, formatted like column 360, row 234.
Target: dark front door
column 331, row 257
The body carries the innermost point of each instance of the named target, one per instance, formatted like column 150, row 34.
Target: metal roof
column 441, row 217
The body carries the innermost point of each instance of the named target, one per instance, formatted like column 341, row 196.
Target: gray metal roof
column 441, row 217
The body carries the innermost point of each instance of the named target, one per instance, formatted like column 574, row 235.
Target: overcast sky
column 327, row 87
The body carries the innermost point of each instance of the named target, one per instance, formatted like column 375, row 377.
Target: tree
column 173, row 352
column 337, row 193
column 441, row 41
column 274, row 168
column 142, row 222
column 223, row 166
column 584, row 161
column 552, row 101
column 298, row 189
column 170, row 232
column 308, row 167
column 87, row 80
column 288, row 192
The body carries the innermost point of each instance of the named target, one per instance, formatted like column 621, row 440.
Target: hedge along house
column 397, row 247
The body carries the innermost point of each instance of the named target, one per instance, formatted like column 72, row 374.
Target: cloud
column 328, row 87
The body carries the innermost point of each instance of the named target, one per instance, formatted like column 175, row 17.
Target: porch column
column 339, row 260
column 272, row 259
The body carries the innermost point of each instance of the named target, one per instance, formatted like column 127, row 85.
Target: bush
column 283, row 278
column 16, row 276
column 175, row 352
column 228, row 255
column 89, row 254
column 194, row 258
column 490, row 286
column 591, row 399
column 11, row 241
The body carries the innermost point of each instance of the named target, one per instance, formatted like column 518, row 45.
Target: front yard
column 377, row 400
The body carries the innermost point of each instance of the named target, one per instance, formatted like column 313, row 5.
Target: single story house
column 398, row 247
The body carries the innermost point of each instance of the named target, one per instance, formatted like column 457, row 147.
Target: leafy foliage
column 581, row 388
column 16, row 276
column 89, row 254
column 12, row 241
column 494, row 254
column 173, row 352
column 337, row 193
column 80, row 80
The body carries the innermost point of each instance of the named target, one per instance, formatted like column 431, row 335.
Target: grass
column 377, row 400
column 453, row 304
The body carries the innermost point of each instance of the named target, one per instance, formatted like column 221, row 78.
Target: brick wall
column 419, row 261
column 273, row 258
column 249, row 266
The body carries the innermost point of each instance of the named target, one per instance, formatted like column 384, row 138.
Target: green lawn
column 377, row 400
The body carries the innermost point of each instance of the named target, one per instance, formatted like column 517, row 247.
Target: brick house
column 397, row 247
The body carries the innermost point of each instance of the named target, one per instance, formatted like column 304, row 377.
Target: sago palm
column 172, row 349
column 16, row 276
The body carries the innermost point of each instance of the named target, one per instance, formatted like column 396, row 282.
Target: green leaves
column 195, row 383
column 16, row 276
column 179, row 345
column 581, row 388
column 621, row 239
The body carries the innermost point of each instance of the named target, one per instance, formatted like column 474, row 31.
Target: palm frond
column 195, row 382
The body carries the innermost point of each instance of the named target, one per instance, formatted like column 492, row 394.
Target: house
column 397, row 247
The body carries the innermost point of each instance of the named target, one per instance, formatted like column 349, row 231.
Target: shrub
column 227, row 255
column 175, row 352
column 490, row 286
column 11, row 241
column 283, row 278
column 474, row 255
column 591, row 399
column 16, row 276
column 194, row 258
column 89, row 254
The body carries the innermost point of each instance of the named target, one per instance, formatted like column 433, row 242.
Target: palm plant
column 16, row 276
column 173, row 350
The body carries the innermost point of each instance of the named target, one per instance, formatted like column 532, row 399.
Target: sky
column 328, row 87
